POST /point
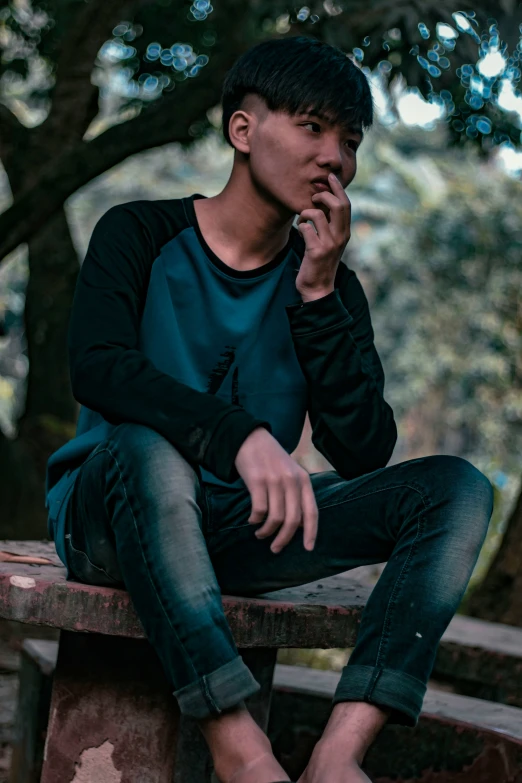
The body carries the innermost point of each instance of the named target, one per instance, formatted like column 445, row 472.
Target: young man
column 202, row 331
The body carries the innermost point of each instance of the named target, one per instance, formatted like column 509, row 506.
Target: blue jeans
column 140, row 516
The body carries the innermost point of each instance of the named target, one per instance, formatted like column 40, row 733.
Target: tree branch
column 159, row 124
column 73, row 93
column 11, row 129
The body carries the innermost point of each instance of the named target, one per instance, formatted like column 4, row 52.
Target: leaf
column 10, row 557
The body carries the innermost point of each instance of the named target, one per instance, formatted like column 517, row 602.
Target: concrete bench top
column 325, row 613
column 322, row 614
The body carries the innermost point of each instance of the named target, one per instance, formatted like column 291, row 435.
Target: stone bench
column 112, row 710
column 112, row 714
column 457, row 736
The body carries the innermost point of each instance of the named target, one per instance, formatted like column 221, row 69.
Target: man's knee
column 142, row 453
column 460, row 479
column 467, row 494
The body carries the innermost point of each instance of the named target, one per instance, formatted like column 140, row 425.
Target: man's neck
column 243, row 230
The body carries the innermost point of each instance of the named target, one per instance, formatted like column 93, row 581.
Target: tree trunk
column 49, row 414
column 499, row 597
column 50, row 409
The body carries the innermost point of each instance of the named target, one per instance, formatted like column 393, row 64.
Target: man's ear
column 239, row 129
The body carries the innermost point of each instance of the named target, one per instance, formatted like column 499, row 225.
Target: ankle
column 352, row 727
column 234, row 737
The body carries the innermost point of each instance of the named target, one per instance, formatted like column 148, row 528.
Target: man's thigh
column 358, row 524
column 135, row 479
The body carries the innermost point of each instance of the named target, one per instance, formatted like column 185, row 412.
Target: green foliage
column 437, row 240
column 445, row 258
column 164, row 42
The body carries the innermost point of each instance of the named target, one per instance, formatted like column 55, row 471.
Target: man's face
column 286, row 153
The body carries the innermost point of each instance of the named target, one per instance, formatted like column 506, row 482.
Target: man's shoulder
column 141, row 224
column 145, row 212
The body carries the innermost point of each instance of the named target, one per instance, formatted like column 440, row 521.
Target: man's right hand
column 278, row 487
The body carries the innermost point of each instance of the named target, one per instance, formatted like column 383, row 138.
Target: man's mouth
column 319, row 186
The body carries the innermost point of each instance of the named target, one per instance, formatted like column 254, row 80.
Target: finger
column 319, row 220
column 310, row 515
column 259, row 497
column 309, row 235
column 340, row 192
column 338, row 212
column 293, row 516
column 276, row 510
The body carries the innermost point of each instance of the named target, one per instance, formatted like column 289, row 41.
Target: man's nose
column 332, row 156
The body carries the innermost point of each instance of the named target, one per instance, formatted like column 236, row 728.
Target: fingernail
column 275, row 549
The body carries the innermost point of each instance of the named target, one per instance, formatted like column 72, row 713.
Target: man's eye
column 353, row 144
column 316, row 124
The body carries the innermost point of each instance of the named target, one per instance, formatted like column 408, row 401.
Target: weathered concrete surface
column 8, row 695
column 113, row 717
column 457, row 740
column 96, row 764
column 325, row 613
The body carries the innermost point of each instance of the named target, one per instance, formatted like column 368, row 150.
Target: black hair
column 300, row 74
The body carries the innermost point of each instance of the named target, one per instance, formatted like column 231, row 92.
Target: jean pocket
column 84, row 570
column 229, row 509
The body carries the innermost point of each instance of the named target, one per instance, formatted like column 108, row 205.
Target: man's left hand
column 323, row 249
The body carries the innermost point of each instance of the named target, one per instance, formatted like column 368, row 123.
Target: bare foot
column 326, row 764
column 241, row 751
column 264, row 769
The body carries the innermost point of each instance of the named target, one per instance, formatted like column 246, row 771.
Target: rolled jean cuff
column 212, row 693
column 397, row 690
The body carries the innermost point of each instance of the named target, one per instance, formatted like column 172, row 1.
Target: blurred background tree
column 84, row 86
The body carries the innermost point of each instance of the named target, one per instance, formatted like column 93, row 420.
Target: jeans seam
column 149, row 576
column 373, row 492
column 397, row 585
column 207, row 694
column 231, row 527
column 374, row 677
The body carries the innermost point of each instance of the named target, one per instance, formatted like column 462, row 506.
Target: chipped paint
column 96, row 764
column 26, row 582
column 114, row 719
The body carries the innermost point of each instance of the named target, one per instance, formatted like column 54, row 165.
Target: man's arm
column 352, row 425
column 108, row 372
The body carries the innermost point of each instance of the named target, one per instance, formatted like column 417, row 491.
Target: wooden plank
column 457, row 739
column 437, row 704
column 493, row 637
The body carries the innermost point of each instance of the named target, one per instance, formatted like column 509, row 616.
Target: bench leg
column 193, row 761
column 38, row 661
column 113, row 717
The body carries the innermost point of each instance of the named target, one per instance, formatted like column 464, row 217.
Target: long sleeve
column 352, row 424
column 110, row 375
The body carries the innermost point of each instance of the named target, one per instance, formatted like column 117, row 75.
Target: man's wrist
column 311, row 296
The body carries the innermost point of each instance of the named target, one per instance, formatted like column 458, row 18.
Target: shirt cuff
column 226, row 441
column 319, row 314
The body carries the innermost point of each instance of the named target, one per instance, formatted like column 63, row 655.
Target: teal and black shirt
column 164, row 334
